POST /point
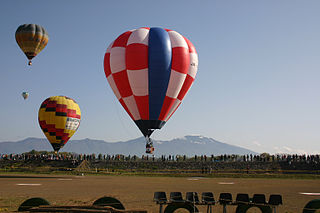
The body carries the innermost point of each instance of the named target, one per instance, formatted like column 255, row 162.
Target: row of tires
column 311, row 207
column 241, row 208
column 38, row 201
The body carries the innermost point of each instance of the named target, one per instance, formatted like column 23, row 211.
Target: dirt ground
column 137, row 192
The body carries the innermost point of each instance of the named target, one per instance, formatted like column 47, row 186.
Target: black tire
column 243, row 208
column 312, row 206
column 174, row 206
column 32, row 202
column 109, row 201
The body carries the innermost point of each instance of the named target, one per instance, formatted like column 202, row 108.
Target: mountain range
column 188, row 145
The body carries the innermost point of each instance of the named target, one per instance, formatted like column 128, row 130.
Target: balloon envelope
column 59, row 118
column 25, row 95
column 31, row 38
column 150, row 71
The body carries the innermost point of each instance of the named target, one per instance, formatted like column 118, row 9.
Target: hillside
column 188, row 145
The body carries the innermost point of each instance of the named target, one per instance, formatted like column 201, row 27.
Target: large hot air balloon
column 150, row 70
column 31, row 38
column 25, row 95
column 59, row 118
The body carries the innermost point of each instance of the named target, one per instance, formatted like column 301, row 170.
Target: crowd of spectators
column 176, row 158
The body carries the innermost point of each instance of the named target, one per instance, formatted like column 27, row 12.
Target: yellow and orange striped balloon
column 31, row 38
column 59, row 118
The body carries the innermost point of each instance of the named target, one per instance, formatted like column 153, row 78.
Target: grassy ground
column 136, row 192
column 49, row 170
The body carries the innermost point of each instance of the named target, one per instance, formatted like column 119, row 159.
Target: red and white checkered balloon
column 150, row 70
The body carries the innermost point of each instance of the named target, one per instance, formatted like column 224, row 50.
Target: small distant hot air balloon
column 59, row 118
column 31, row 38
column 25, row 95
column 150, row 70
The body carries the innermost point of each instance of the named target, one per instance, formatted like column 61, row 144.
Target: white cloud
column 290, row 150
column 256, row 143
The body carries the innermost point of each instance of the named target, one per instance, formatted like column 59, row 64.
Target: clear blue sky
column 257, row 85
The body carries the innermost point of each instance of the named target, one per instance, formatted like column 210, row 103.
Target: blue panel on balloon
column 159, row 59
